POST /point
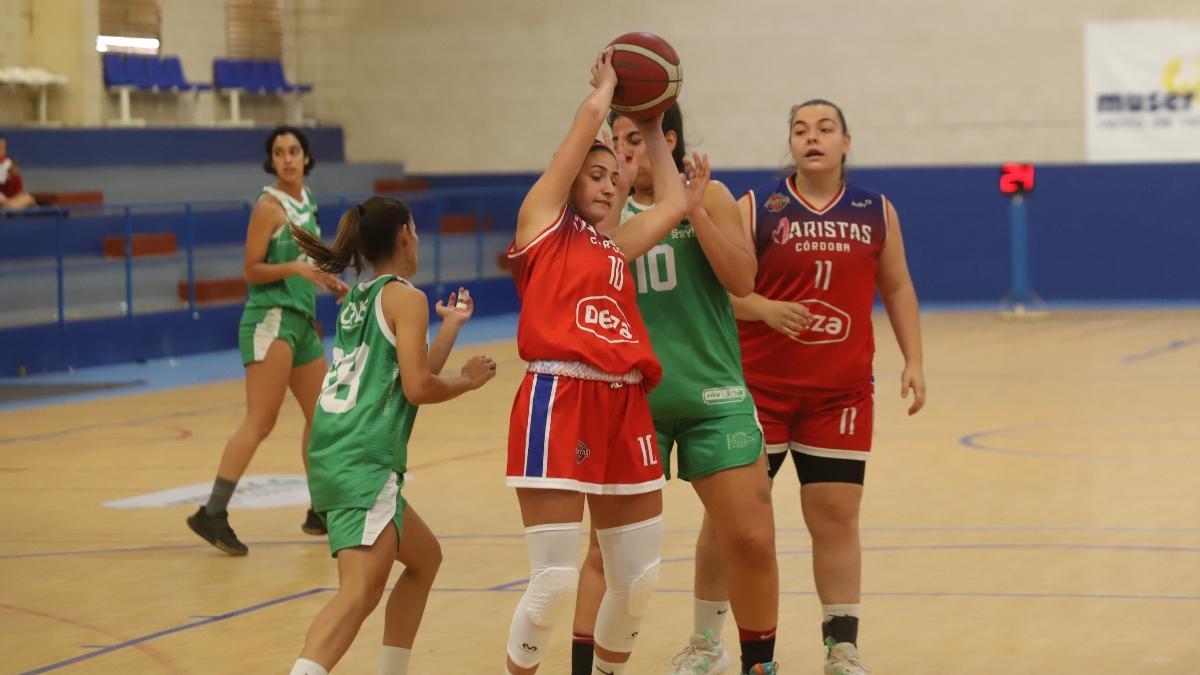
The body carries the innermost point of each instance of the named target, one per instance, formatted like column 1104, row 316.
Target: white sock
column 840, row 610
column 306, row 667
column 602, row 666
column 710, row 616
column 394, row 660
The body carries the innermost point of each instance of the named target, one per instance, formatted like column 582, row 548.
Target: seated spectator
column 12, row 188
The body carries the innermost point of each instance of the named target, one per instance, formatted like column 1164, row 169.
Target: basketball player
column 280, row 347
column 359, row 446
column 829, row 246
column 580, row 423
column 703, row 408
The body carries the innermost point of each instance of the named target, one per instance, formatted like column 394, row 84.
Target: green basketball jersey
column 363, row 421
column 692, row 329
column 294, row 292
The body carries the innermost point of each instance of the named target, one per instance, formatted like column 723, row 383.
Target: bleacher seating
column 234, row 77
column 36, row 79
column 126, row 73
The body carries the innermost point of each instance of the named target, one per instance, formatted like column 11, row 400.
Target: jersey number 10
column 656, row 269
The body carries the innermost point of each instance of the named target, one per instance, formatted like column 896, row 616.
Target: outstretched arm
column 550, row 192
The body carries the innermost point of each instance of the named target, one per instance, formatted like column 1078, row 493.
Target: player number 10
column 656, row 269
column 649, row 456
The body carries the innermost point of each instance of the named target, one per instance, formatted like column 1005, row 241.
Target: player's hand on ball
column 602, row 70
column 788, row 318
column 478, row 370
column 913, row 378
column 458, row 308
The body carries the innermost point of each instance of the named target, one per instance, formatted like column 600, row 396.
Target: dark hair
column 365, row 232
column 309, row 160
column 672, row 121
column 831, row 104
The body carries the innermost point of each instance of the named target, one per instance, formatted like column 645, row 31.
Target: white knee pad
column 553, row 578
column 631, row 562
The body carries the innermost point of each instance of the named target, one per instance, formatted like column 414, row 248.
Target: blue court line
column 973, row 442
column 169, row 631
column 514, row 586
column 205, row 368
column 1171, row 346
column 476, row 537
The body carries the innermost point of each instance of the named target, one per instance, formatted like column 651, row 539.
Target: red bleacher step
column 385, row 185
column 226, row 289
column 156, row 243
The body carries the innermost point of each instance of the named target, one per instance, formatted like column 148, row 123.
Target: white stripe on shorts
column 381, row 513
column 266, row 331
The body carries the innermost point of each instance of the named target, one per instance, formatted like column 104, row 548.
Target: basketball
column 649, row 76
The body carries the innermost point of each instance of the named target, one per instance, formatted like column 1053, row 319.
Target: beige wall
column 479, row 85
column 14, row 31
column 62, row 40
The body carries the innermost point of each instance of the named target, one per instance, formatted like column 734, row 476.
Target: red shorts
column 571, row 434
column 838, row 426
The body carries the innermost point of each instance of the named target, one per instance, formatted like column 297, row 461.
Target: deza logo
column 601, row 316
column 829, row 324
column 1180, row 82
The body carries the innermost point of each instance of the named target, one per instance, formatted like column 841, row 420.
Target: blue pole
column 479, row 215
column 58, row 260
column 1021, row 284
column 128, row 262
column 191, row 265
column 439, row 287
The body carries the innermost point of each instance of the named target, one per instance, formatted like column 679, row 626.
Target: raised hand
column 450, row 311
column 695, row 180
column 602, row 70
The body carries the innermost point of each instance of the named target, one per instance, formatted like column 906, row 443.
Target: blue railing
column 90, row 281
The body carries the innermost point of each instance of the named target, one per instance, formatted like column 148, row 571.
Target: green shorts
column 361, row 527
column 707, row 446
column 260, row 327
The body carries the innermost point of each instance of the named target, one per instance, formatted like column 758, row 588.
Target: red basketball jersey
column 824, row 257
column 579, row 302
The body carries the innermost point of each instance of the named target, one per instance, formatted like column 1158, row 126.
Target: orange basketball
column 649, row 76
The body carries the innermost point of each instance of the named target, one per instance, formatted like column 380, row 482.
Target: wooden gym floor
column 1041, row 515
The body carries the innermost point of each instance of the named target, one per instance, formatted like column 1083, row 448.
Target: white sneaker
column 842, row 659
column 702, row 656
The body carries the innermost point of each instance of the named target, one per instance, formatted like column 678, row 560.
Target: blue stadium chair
column 139, row 74
column 157, row 76
column 115, row 73
column 276, row 68
column 117, row 78
column 248, row 78
column 262, row 77
column 173, row 69
column 227, row 78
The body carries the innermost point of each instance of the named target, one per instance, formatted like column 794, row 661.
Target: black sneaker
column 216, row 531
column 314, row 525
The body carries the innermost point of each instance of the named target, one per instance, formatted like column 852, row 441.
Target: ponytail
column 345, row 251
column 366, row 234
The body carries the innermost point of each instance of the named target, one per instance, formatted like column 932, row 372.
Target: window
column 254, row 29
column 129, row 26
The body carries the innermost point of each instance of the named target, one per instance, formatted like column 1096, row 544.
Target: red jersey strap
column 514, row 252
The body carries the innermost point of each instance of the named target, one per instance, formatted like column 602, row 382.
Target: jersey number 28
column 340, row 392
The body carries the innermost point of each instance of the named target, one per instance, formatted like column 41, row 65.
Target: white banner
column 1142, row 91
